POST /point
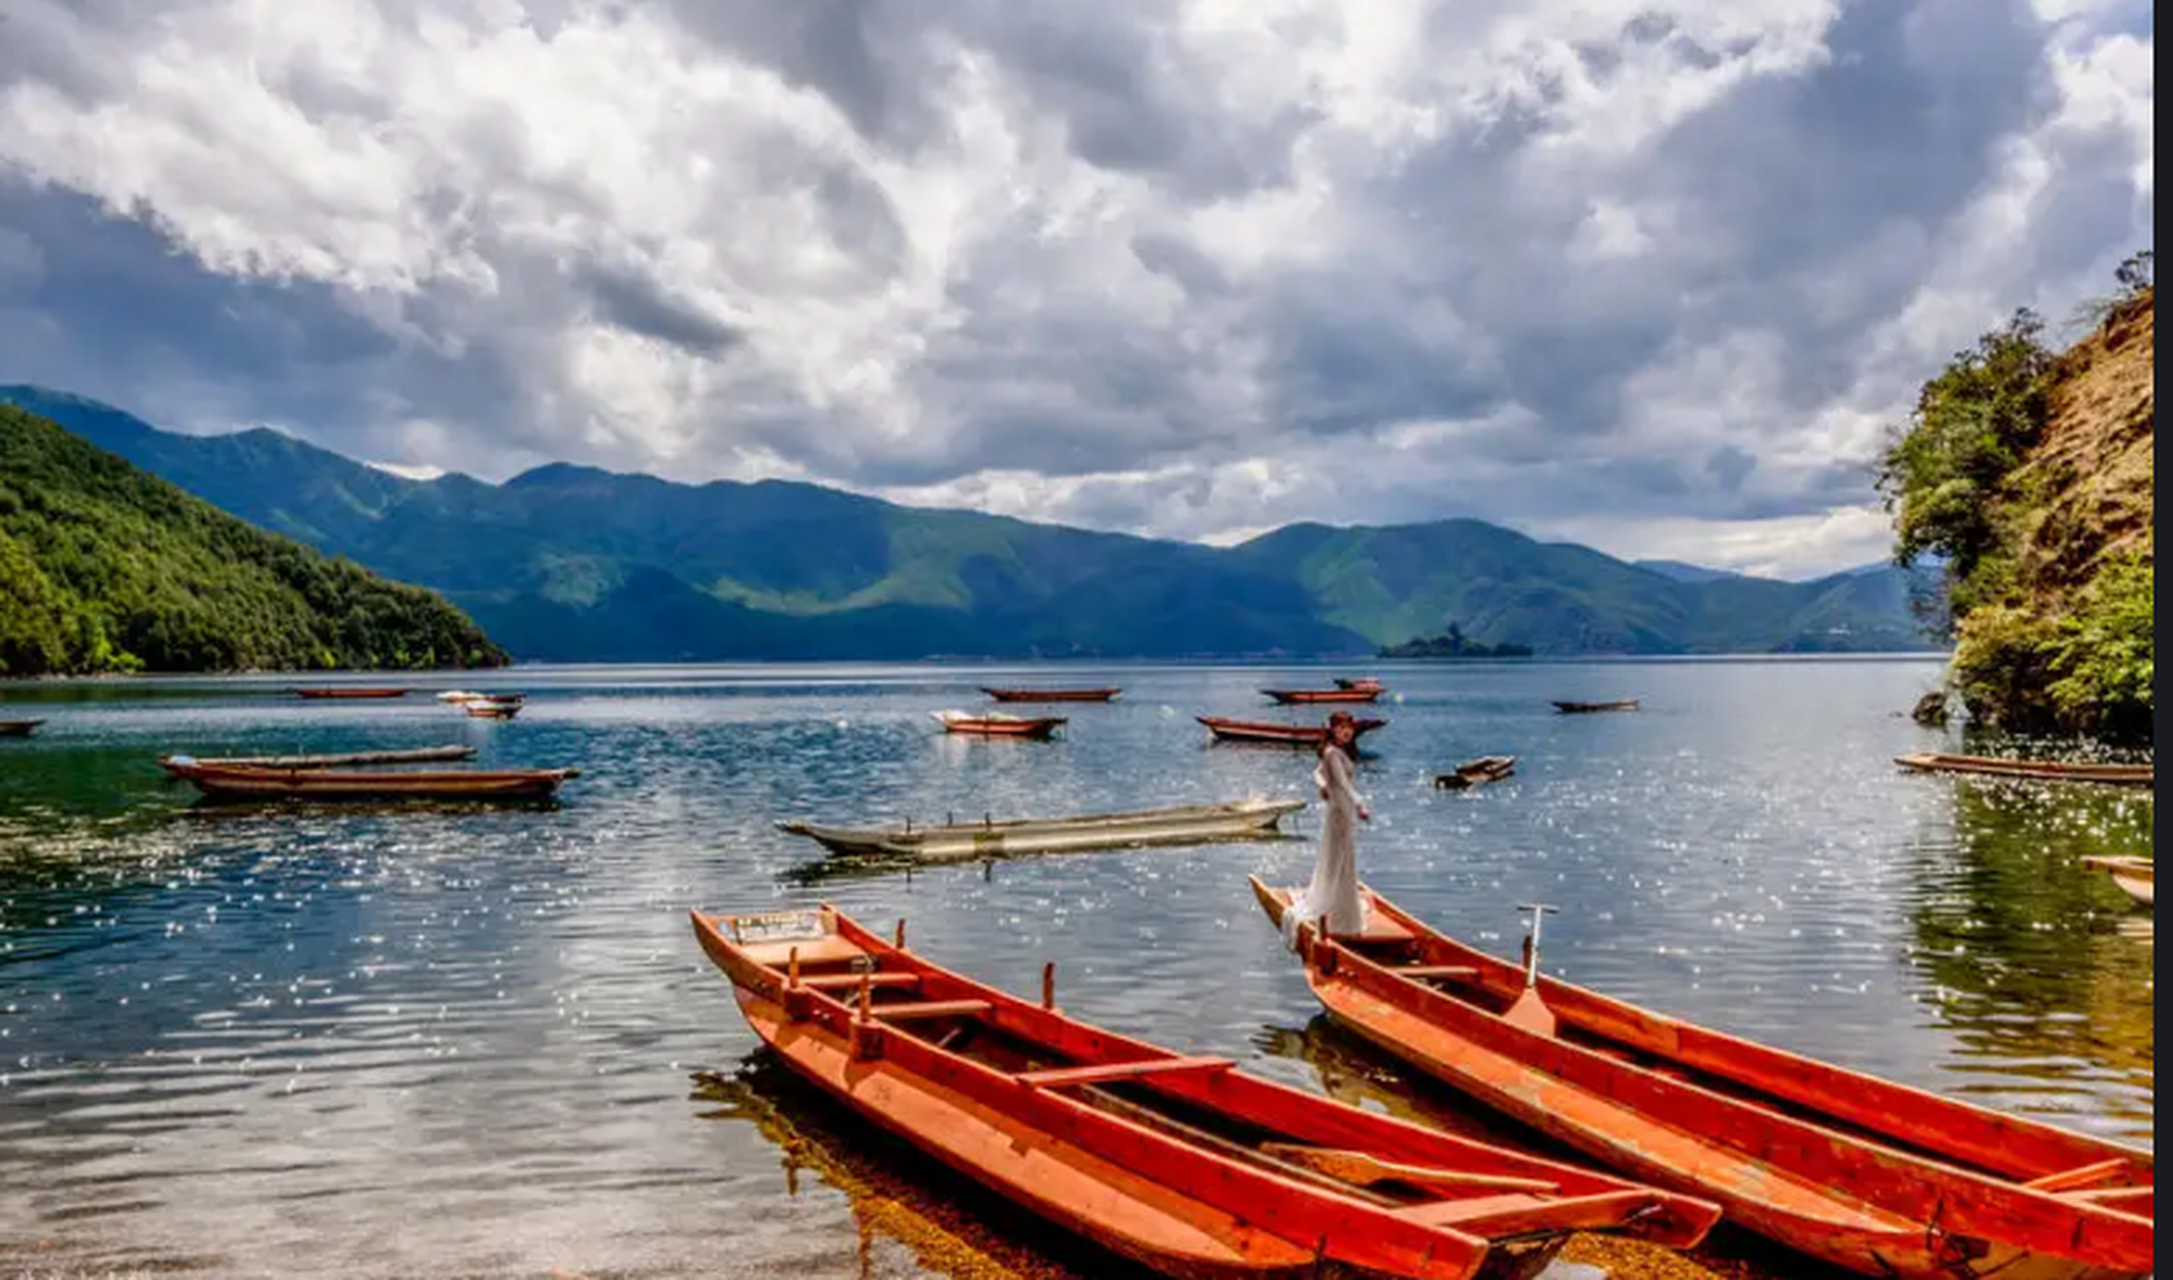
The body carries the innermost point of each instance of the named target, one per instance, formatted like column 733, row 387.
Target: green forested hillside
column 105, row 568
column 572, row 563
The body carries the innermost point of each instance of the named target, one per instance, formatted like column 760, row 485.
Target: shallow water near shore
column 436, row 1042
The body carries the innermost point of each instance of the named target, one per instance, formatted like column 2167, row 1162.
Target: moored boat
column 1190, row 824
column 1472, row 773
column 1052, row 695
column 1183, row 1164
column 2115, row 775
column 1586, row 708
column 1358, row 682
column 231, row 782
column 1290, row 735
column 349, row 691
column 413, row 755
column 1869, row 1175
column 18, row 728
column 2133, row 875
column 995, row 724
column 492, row 708
column 1310, row 697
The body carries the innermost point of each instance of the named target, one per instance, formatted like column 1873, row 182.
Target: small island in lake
column 1453, row 644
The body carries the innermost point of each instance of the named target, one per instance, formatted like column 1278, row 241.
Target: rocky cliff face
column 2067, row 643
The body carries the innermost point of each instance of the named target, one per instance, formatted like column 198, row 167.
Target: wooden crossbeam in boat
column 1364, row 1169
column 2112, row 1197
column 1426, row 971
column 2089, row 1175
column 928, row 1009
column 852, row 981
column 1093, row 1073
column 1509, row 1214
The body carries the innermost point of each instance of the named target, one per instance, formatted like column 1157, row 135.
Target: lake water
column 331, row 1043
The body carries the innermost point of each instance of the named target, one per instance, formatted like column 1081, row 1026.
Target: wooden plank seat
column 1424, row 972
column 1097, row 1072
column 852, row 981
column 1507, row 1214
column 928, row 1009
column 2089, row 1175
column 814, row 952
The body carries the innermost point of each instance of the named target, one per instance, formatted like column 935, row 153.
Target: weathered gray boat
column 411, row 755
column 1191, row 824
column 2113, row 775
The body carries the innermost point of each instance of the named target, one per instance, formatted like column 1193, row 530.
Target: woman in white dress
column 1334, row 891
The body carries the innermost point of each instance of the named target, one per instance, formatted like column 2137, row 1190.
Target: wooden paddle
column 1530, row 1011
column 1361, row 1169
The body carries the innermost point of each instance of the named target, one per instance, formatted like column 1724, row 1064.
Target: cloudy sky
column 1648, row 275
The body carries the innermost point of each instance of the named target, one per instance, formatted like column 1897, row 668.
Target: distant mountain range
column 571, row 563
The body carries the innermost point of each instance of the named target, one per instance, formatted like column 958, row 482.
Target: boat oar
column 1363, row 1170
column 1530, row 1011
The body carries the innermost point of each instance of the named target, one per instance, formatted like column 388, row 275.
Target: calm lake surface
column 320, row 1042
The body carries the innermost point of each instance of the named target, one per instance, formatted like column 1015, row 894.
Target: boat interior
column 1191, row 1099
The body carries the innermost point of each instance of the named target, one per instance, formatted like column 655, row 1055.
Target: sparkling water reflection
column 458, row 1041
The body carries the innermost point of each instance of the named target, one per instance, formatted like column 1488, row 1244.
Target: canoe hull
column 1052, row 695
column 1146, row 828
column 418, row 755
column 1285, row 735
column 338, row 693
column 1589, row 708
column 1002, row 727
column 1756, row 1162
column 333, row 784
column 2133, row 875
column 1309, row 697
column 1174, row 1197
column 2111, row 775
column 18, row 728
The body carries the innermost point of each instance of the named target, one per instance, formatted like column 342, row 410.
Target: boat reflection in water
column 941, row 1223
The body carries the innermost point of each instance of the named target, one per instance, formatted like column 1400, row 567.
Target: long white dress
column 1334, row 891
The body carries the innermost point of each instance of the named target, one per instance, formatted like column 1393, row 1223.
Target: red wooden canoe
column 248, row 782
column 1873, row 1176
column 1308, row 697
column 1291, row 735
column 344, row 691
column 1358, row 682
column 999, row 726
column 1052, row 695
column 1190, row 1167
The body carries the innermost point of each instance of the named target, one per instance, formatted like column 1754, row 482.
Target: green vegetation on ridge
column 104, row 568
column 2031, row 473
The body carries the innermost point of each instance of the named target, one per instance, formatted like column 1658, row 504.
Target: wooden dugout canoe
column 492, row 708
column 1309, row 697
column 1190, row 824
column 1473, row 772
column 1052, row 695
column 1869, row 1175
column 996, row 725
column 414, row 755
column 1183, row 1164
column 1289, row 735
column 2117, row 775
column 228, row 782
column 18, row 728
column 349, row 691
column 1586, row 708
column 2132, row 874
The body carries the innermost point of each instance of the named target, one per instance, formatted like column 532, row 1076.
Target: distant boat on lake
column 1188, row 824
column 232, row 782
column 1306, row 697
column 1289, row 735
column 2114, row 775
column 1052, row 695
column 1586, row 708
column 18, row 728
column 349, row 691
column 997, row 725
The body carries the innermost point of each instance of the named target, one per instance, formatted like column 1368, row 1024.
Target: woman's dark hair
column 1336, row 720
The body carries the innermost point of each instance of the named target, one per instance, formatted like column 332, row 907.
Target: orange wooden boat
column 1181, row 1163
column 1873, row 1176
column 1309, row 697
column 996, row 725
column 349, row 691
column 1052, row 695
column 249, row 782
column 1289, row 735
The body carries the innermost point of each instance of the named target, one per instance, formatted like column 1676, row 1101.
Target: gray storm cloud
column 1653, row 274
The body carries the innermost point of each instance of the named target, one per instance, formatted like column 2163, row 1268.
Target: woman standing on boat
column 1334, row 891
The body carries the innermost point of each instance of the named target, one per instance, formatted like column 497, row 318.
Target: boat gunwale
column 1056, row 1031
column 1910, row 1167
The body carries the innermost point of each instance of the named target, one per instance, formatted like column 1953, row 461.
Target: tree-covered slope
column 2032, row 472
column 105, row 568
column 568, row 563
